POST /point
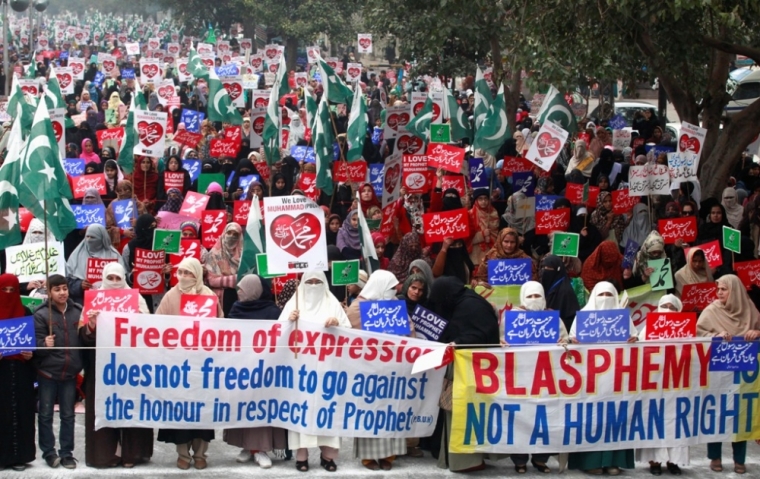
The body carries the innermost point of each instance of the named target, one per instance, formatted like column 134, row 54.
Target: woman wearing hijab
column 608, row 168
column 333, row 226
column 653, row 248
column 145, row 180
column 348, row 241
column 734, row 210
column 279, row 185
column 471, row 320
column 222, row 265
column 144, row 229
column 519, row 214
column 173, row 167
column 408, row 251
column 190, row 281
column 96, row 244
column 506, row 247
column 92, row 197
column 484, row 226
column 604, row 264
column 102, row 446
column 118, row 235
column 695, row 271
column 173, row 202
column 17, row 375
column 558, row 289
column 582, row 160
column 639, row 226
column 368, row 198
column 255, row 301
column 603, row 296
column 244, row 168
column 379, row 241
column 610, row 225
column 414, row 292
column 520, row 144
column 320, row 307
column 732, row 314
column 88, row 153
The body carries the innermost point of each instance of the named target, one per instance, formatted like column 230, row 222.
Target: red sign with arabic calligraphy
column 748, row 272
column 223, row 147
column 453, row 181
column 148, row 273
column 446, row 224
column 187, row 138
column 116, row 300
column 240, row 212
column 234, row 133
column 278, row 282
column 552, row 220
column 80, row 184
column 696, row 297
column 198, row 305
column 354, row 172
column 212, row 225
column 514, row 164
column 110, row 134
column 713, row 253
column 307, row 183
column 387, row 225
column 673, row 229
column 671, row 325
column 189, row 248
column 448, row 157
column 622, row 202
column 263, row 168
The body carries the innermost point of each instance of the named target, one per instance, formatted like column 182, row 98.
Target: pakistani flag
column 53, row 95
column 419, row 126
column 494, row 130
column 357, row 125
column 41, row 170
column 220, row 107
column 460, row 125
column 556, row 110
column 210, row 35
column 368, row 246
column 311, row 108
column 196, row 66
column 10, row 233
column 18, row 107
column 126, row 159
column 271, row 136
column 253, row 240
column 323, row 146
column 139, row 96
column 31, row 72
column 482, row 99
column 335, row 90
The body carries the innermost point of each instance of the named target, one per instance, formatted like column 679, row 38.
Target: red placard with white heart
column 212, row 226
column 151, row 131
column 673, row 229
column 295, row 235
column 713, row 253
column 448, row 157
column 547, row 146
column 198, row 305
column 354, row 172
column 364, row 41
column 66, row 79
column 80, row 184
column 552, row 220
column 446, row 224
column 194, row 204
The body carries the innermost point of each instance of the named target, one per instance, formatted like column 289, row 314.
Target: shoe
column 613, row 471
column 595, row 472
column 69, row 462
column 200, row 464
column 479, row 467
column 716, row 466
column 328, row 465
column 19, row 467
column 372, row 465
column 386, row 465
column 521, row 469
column 414, row 452
column 302, row 466
column 244, row 456
column 740, row 468
column 183, row 464
column 53, row 460
column 263, row 460
column 674, row 469
column 541, row 467
column 655, row 469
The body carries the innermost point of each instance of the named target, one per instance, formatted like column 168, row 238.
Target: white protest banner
column 659, row 179
column 165, row 91
column 204, row 48
column 392, row 178
column 58, row 119
column 28, row 261
column 154, row 43
column 683, row 166
column 353, row 72
column 151, row 130
column 365, row 43
column 692, row 139
column 597, row 397
column 295, row 235
column 260, row 98
column 198, row 374
column 150, row 71
column 621, row 139
column 547, row 146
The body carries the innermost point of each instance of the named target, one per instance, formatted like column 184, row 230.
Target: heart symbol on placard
column 169, row 60
column 397, row 120
column 417, row 107
column 547, row 145
column 354, row 72
column 271, row 53
column 175, row 37
column 234, row 90
column 209, row 62
column 108, row 65
column 332, row 64
column 313, row 53
column 153, row 45
column 261, row 102
column 43, row 42
column 301, row 81
column 273, row 68
column 689, row 143
column 487, row 76
column 296, row 235
column 150, row 133
column 122, row 39
column 150, row 70
column 58, row 129
column 158, row 54
column 64, row 80
column 174, row 49
column 166, row 92
column 79, row 36
column 409, row 144
column 365, row 42
column 391, row 175
column 226, row 58
column 245, row 45
column 258, row 125
column 77, row 67
column 256, row 62
column 183, row 68
column 32, row 90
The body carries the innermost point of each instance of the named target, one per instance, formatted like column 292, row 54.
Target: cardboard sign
column 387, row 317
column 150, row 71
column 111, row 137
column 673, row 229
column 95, row 270
column 662, row 276
column 80, row 184
column 692, row 139
column 683, row 166
column 174, row 179
column 396, row 119
column 364, row 41
column 547, row 146
column 28, row 261
column 307, row 182
column 17, row 336
column 713, row 253
column 623, row 202
column 151, row 130
column 116, row 300
column 734, row 355
column 454, row 181
column 223, row 148
column 531, row 327
column 74, row 166
column 278, row 283
column 295, row 235
column 447, row 157
column 502, row 272
column 345, row 272
column 566, row 244
column 345, row 172
column 671, row 325
column 392, row 179
column 524, row 182
column 748, row 272
column 240, row 212
column 446, row 224
column 621, row 139
column 552, row 220
column 87, row 215
column 732, row 239
column 148, row 271
column 166, row 240
column 613, row 325
column 696, row 297
column 198, row 305
column 194, row 204
column 213, row 223
column 513, row 164
column 427, row 324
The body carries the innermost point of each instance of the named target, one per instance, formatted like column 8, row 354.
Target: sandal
column 674, row 469
column 740, row 468
column 328, row 466
column 521, row 469
column 541, row 467
column 385, row 464
column 371, row 465
column 302, row 466
column 716, row 466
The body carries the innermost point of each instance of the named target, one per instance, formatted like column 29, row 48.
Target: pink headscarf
column 88, row 157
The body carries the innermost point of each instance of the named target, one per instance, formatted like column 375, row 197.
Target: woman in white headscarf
column 376, row 454
column 96, row 244
column 734, row 210
column 35, row 233
column 320, row 306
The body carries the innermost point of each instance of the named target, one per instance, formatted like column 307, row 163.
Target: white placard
column 151, row 131
column 392, row 178
column 295, row 235
column 27, row 261
column 364, row 42
column 692, row 139
column 545, row 149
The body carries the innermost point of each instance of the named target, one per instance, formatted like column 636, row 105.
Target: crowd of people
column 445, row 277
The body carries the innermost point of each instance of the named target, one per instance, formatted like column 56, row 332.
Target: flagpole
column 47, row 271
column 299, row 316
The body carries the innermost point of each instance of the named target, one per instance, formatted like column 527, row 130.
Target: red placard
column 748, row 272
column 307, row 183
column 593, row 194
column 212, row 226
column 198, row 305
column 386, row 224
column 95, row 269
column 414, row 176
column 188, row 248
column 574, row 193
column 148, row 273
column 174, row 179
column 116, row 300
column 187, row 138
column 671, row 325
column 446, row 224
column 622, row 202
column 552, row 220
column 453, row 181
column 263, row 168
column 223, row 147
column 514, row 164
column 696, row 297
column 448, row 157
column 240, row 212
column 110, row 134
column 673, row 229
column 585, row 137
column 80, row 184
column 24, row 218
column 194, row 204
column 234, row 133
column 354, row 172
column 278, row 283
column 713, row 253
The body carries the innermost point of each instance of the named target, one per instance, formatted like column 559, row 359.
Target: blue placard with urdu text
column 389, row 317
column 502, row 272
column 604, row 326
column 531, row 327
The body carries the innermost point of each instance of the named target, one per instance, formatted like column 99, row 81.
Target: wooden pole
column 47, row 272
column 299, row 317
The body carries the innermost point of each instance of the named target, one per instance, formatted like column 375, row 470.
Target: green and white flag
column 335, row 90
column 345, row 272
column 494, row 130
column 419, row 126
column 10, row 233
column 482, row 99
column 732, row 239
column 126, row 159
column 42, row 170
column 357, row 125
column 311, row 108
column 460, row 124
column 220, row 107
column 53, row 95
column 254, row 242
column 368, row 246
column 167, row 240
column 195, row 65
column 556, row 110
column 271, row 136
column 323, row 147
column 19, row 109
